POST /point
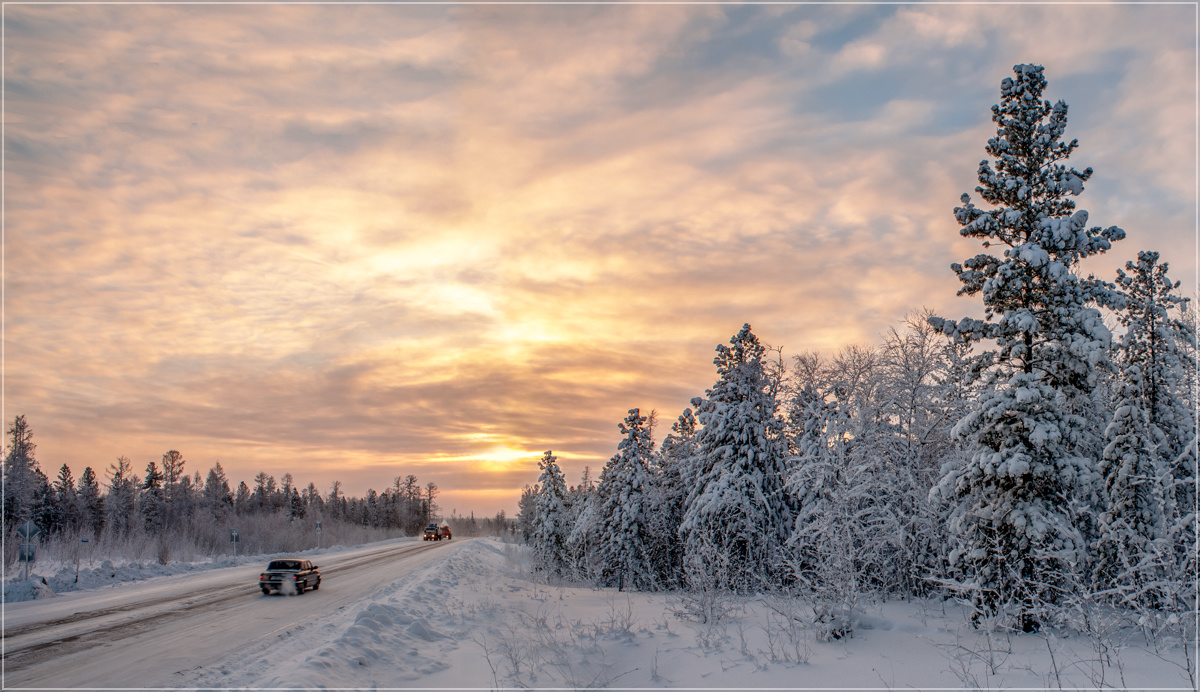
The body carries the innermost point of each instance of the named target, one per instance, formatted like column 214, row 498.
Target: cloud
column 359, row 241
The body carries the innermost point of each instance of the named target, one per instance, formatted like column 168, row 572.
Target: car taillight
column 262, row 576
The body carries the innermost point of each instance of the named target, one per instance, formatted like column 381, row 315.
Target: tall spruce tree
column 738, row 515
column 1018, row 498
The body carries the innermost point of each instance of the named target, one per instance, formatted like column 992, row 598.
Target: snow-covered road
column 163, row 632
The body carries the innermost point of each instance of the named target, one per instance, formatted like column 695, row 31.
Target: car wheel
column 266, row 591
column 299, row 588
column 317, row 585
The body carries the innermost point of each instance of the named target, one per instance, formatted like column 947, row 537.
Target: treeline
column 171, row 512
column 1039, row 460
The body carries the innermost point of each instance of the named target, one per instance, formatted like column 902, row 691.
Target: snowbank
column 29, row 590
column 478, row 619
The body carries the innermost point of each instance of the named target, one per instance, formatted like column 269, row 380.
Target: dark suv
column 432, row 533
column 300, row 574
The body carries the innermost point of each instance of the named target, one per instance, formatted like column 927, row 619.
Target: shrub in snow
column 737, row 515
column 1018, row 498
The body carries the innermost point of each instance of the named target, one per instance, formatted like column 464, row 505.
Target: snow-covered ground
column 479, row 619
column 474, row 616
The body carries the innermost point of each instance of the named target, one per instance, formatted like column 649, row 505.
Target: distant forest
column 166, row 513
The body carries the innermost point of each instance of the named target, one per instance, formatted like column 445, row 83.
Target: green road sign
column 28, row 530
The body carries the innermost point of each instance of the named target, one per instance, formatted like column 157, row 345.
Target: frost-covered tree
column 666, row 499
column 66, row 498
column 1018, row 498
column 1147, row 458
column 121, row 501
column 550, row 518
column 584, row 534
column 848, row 538
column 621, row 551
column 217, row 495
column 20, row 467
column 91, row 502
column 920, row 400
column 737, row 515
column 152, row 503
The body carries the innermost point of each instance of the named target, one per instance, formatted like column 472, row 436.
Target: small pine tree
column 91, row 502
column 666, row 499
column 622, row 551
column 121, row 501
column 67, row 500
column 550, row 528
column 217, row 495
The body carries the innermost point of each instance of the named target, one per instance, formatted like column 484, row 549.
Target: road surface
column 162, row 633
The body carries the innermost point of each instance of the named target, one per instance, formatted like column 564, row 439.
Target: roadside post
column 318, row 534
column 83, row 541
column 233, row 538
column 27, row 552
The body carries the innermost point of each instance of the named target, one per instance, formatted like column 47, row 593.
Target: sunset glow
column 354, row 242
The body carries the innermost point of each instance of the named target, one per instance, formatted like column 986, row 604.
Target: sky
column 352, row 242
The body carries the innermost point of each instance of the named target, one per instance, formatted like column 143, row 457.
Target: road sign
column 233, row 536
column 28, row 530
column 83, row 540
column 318, row 527
column 26, row 553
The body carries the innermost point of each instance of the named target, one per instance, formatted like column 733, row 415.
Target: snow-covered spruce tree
column 666, row 500
column 1018, row 496
column 1147, row 459
column 621, row 551
column 550, row 518
column 738, row 515
column 20, row 470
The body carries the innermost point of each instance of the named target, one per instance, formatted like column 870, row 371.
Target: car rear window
column 284, row 564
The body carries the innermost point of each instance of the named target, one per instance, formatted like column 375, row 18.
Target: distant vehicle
column 432, row 533
column 445, row 531
column 299, row 574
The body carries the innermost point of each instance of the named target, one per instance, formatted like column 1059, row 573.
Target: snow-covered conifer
column 551, row 516
column 666, row 500
column 737, row 515
column 20, row 467
column 621, row 551
column 1147, row 457
column 121, row 502
column 1018, row 496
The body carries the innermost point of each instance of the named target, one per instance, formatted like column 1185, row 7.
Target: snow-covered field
column 478, row 619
